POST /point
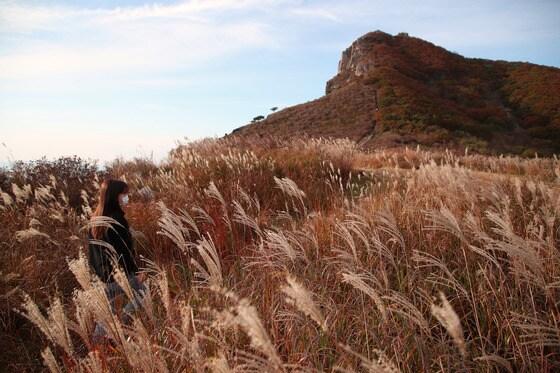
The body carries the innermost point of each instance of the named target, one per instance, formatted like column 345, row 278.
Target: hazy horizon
column 129, row 78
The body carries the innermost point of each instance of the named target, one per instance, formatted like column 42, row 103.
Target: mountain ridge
column 403, row 90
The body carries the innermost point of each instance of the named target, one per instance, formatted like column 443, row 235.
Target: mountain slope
column 392, row 90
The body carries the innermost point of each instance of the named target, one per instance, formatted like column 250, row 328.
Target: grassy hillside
column 312, row 255
column 394, row 90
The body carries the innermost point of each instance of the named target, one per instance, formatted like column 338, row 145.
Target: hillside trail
column 369, row 135
column 485, row 176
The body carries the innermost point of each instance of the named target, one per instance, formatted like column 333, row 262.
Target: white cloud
column 317, row 12
column 193, row 8
column 15, row 17
column 24, row 19
column 62, row 43
column 44, row 41
column 134, row 47
column 151, row 38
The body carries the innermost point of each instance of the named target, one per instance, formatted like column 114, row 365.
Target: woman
column 113, row 196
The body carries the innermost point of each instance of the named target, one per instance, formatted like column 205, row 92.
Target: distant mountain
column 394, row 90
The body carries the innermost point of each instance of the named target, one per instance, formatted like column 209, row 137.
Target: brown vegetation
column 308, row 255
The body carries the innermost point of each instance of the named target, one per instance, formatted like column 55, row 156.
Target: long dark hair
column 108, row 203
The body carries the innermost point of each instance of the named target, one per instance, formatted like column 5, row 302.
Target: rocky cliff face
column 393, row 90
column 358, row 60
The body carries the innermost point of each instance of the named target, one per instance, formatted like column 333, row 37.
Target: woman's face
column 123, row 199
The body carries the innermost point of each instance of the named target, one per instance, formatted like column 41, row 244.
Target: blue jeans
column 112, row 289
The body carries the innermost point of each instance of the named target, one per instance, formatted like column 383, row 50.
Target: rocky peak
column 358, row 59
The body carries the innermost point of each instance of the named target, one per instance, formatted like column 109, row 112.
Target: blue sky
column 103, row 79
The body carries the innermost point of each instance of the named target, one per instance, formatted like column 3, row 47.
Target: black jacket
column 121, row 240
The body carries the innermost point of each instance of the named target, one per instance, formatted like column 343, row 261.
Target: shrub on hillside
column 68, row 175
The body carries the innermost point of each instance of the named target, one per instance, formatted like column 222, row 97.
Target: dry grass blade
column 344, row 233
column 212, row 274
column 444, row 220
column 387, row 223
column 248, row 318
column 54, row 326
column 171, row 226
column 284, row 245
column 218, row 364
column 513, row 245
column 448, row 318
column 537, row 332
column 213, row 192
column 497, row 360
column 302, row 299
column 101, row 221
column 240, row 216
column 290, row 188
column 81, row 270
column 121, row 279
column 50, row 360
column 399, row 304
column 7, row 199
column 358, row 281
column 92, row 363
column 427, row 260
column 382, row 364
column 162, row 283
column 29, row 233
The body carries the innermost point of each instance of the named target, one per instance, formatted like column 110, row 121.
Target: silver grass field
column 265, row 255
